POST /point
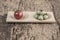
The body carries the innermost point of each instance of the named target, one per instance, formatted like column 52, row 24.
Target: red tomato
column 18, row 14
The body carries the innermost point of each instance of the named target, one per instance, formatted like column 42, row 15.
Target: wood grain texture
column 27, row 31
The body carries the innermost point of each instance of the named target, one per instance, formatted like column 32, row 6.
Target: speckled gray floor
column 28, row 31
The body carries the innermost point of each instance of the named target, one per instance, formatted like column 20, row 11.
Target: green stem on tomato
column 41, row 10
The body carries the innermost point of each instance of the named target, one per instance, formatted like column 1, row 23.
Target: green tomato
column 43, row 13
column 40, row 17
column 45, row 16
column 39, row 13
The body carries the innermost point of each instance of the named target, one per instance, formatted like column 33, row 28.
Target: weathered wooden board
column 28, row 16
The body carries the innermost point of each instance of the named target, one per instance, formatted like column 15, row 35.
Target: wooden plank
column 28, row 16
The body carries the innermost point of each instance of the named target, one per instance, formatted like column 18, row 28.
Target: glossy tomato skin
column 18, row 14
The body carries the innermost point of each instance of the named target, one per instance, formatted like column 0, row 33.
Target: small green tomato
column 45, row 16
column 39, row 13
column 40, row 17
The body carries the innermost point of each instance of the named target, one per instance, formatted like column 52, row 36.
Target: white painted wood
column 29, row 17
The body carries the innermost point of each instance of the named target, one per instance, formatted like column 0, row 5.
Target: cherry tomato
column 18, row 14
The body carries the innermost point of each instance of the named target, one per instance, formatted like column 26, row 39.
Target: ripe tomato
column 18, row 14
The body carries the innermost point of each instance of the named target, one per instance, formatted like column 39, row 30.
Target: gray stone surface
column 28, row 31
